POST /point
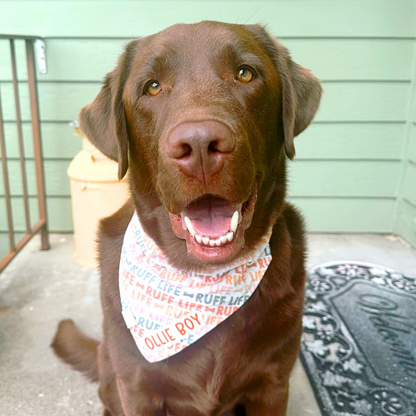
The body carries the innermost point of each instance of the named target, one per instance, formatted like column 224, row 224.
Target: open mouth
column 213, row 227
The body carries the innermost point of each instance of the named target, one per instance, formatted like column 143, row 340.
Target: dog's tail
column 75, row 348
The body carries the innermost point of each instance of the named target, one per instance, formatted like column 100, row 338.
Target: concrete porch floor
column 40, row 288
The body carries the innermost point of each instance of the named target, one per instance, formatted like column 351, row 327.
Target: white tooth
column 223, row 239
column 230, row 236
column 198, row 238
column 218, row 242
column 234, row 222
column 212, row 243
column 189, row 226
column 205, row 240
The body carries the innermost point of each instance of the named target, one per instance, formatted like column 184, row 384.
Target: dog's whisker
column 253, row 14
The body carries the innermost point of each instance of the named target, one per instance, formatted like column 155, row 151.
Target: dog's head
column 204, row 115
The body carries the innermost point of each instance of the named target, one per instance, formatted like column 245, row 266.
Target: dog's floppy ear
column 301, row 91
column 301, row 95
column 104, row 121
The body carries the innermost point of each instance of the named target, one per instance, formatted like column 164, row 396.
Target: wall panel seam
column 406, row 147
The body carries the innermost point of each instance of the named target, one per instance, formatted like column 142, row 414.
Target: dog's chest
column 214, row 383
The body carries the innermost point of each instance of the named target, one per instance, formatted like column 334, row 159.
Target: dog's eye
column 244, row 74
column 153, row 88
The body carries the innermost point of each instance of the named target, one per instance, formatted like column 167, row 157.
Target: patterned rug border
column 386, row 399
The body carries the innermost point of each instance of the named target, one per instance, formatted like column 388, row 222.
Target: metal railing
column 41, row 225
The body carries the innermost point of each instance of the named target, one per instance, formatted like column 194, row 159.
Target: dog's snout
column 200, row 148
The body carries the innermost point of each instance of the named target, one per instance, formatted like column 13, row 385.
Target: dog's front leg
column 273, row 402
column 136, row 404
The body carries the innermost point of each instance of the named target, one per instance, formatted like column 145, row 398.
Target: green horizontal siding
column 342, row 101
column 306, row 178
column 346, row 141
column 59, row 210
column 412, row 144
column 56, row 180
column 406, row 221
column 67, row 59
column 322, row 214
column 353, row 18
column 361, row 101
column 57, row 101
column 58, row 140
column 405, row 218
column 347, row 214
column 409, row 189
column 350, row 172
column 344, row 178
column 351, row 59
column 354, row 59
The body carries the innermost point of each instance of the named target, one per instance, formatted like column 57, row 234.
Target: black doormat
column 359, row 340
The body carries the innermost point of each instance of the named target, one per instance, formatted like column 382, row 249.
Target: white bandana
column 166, row 310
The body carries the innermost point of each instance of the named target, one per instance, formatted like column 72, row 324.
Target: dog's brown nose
column 201, row 148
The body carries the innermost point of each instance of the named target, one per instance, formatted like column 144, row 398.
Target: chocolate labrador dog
column 203, row 116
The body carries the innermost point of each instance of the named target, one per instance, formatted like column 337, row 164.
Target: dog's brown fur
column 242, row 366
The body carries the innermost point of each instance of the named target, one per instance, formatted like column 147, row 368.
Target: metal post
column 37, row 144
column 6, row 182
column 20, row 136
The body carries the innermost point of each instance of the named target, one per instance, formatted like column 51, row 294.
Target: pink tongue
column 211, row 216
column 212, row 227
